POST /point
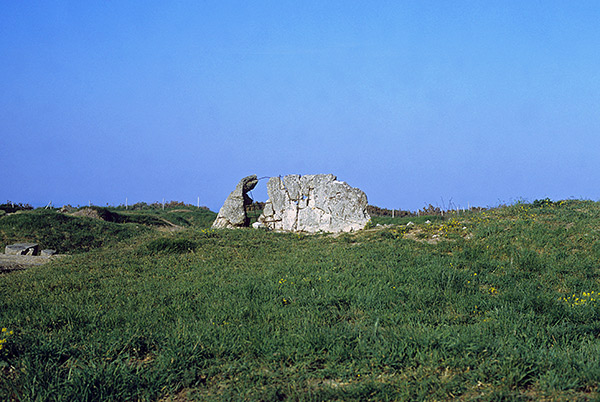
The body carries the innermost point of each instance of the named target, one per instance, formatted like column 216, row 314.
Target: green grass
column 64, row 233
column 497, row 306
column 72, row 234
column 184, row 216
column 388, row 220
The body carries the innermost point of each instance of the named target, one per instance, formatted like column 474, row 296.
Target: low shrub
column 546, row 202
column 11, row 207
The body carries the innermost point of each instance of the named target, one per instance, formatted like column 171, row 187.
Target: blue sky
column 414, row 102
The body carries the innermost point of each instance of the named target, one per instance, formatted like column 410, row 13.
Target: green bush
column 11, row 207
column 546, row 202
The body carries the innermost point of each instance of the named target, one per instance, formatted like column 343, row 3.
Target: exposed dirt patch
column 169, row 226
column 86, row 213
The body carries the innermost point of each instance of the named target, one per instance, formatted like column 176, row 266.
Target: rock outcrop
column 233, row 212
column 314, row 203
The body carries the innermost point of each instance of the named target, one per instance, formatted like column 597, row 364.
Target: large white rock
column 314, row 203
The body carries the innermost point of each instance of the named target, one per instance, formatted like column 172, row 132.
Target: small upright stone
column 233, row 212
column 47, row 252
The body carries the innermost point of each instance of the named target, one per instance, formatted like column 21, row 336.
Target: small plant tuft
column 4, row 335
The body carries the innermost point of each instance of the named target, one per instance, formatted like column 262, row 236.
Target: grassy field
column 497, row 305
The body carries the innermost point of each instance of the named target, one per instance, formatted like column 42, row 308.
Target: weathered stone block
column 314, row 203
column 233, row 212
column 22, row 249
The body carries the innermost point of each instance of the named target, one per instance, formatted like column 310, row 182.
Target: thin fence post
column 163, row 205
column 198, row 204
column 126, row 204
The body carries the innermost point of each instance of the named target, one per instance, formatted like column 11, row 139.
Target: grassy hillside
column 92, row 228
column 487, row 306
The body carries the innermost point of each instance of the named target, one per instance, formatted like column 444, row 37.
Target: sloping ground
column 506, row 309
column 63, row 233
column 91, row 228
column 126, row 217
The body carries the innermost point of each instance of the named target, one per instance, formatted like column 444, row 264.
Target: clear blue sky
column 414, row 102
